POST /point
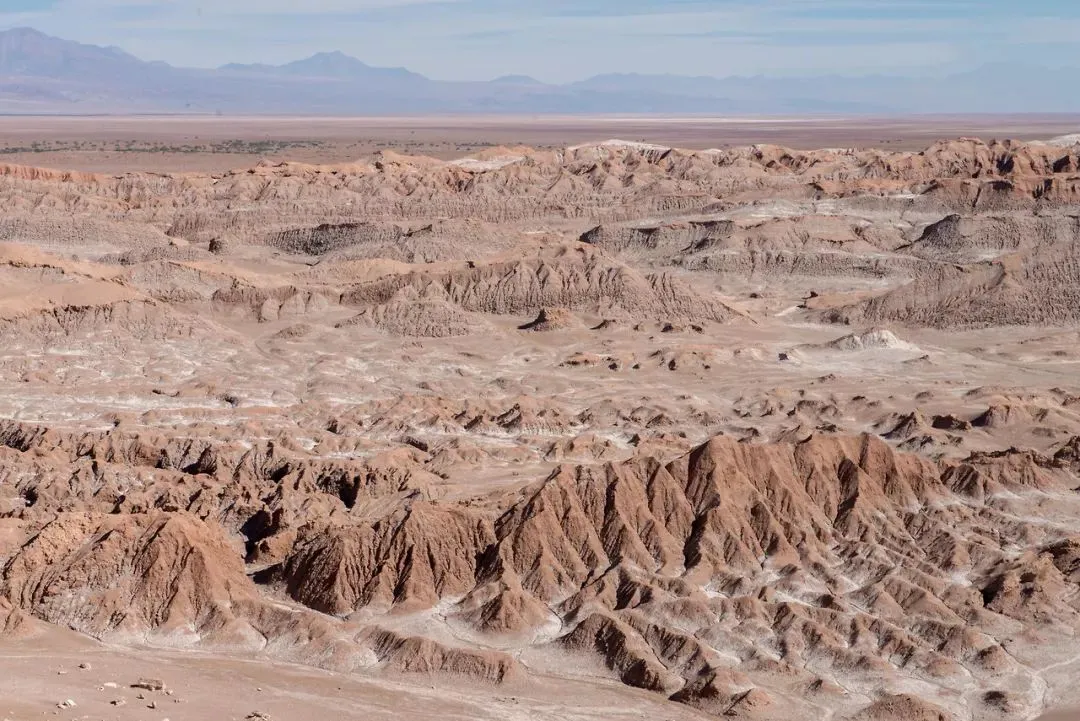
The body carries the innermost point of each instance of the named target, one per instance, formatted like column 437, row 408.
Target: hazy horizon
column 44, row 72
column 562, row 42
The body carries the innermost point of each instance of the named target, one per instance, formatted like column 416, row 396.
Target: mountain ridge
column 44, row 74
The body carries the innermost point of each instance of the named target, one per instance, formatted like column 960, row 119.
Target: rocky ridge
column 761, row 432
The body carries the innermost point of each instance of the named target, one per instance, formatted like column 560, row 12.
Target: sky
column 564, row 40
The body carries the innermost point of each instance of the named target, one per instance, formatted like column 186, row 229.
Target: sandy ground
column 202, row 143
column 43, row 673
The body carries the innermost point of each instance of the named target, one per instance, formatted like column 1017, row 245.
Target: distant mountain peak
column 330, row 64
column 44, row 74
column 333, row 57
column 517, row 80
column 337, row 65
column 23, row 31
column 28, row 52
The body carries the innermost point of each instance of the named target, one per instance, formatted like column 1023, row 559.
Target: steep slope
column 1033, row 288
column 833, row 556
column 561, row 419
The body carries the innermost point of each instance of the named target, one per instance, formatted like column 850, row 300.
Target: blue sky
column 560, row 40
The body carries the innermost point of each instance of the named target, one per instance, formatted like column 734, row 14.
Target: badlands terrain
column 607, row 431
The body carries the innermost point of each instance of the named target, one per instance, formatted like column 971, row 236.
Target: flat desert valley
column 118, row 144
column 550, row 418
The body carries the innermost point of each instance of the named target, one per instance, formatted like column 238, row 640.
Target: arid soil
column 612, row 430
column 211, row 144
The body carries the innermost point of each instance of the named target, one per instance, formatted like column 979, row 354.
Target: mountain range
column 44, row 74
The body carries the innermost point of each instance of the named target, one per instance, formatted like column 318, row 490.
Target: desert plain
column 613, row 418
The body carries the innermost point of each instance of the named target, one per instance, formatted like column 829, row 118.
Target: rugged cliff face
column 764, row 433
column 705, row 578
